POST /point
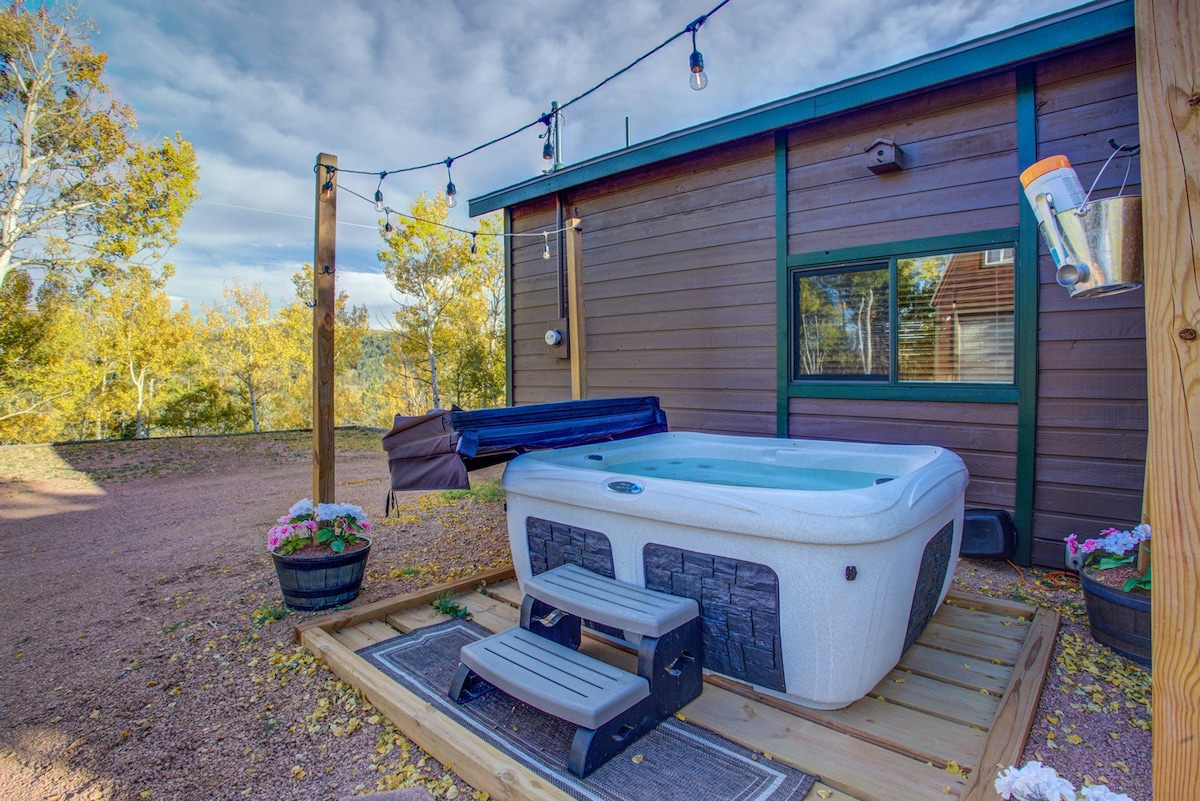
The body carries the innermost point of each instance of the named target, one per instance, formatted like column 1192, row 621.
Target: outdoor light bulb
column 548, row 149
column 451, row 191
column 387, row 227
column 379, row 200
column 546, row 248
column 698, row 80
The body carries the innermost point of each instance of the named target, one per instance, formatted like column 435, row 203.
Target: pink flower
column 1090, row 545
column 1073, row 545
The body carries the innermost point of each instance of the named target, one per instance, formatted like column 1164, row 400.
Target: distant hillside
column 375, row 346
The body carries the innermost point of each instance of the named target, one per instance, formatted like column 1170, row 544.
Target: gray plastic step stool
column 539, row 664
column 554, row 678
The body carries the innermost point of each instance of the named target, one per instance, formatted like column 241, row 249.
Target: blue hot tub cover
column 436, row 450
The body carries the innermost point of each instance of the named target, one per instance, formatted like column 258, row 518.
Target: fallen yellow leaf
column 821, row 791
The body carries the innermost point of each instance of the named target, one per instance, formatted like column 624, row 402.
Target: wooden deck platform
column 961, row 699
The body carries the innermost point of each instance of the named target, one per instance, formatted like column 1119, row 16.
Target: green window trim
column 865, row 388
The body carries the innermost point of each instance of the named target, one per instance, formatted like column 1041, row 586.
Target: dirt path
column 131, row 662
column 141, row 654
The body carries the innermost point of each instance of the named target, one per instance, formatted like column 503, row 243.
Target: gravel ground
column 144, row 652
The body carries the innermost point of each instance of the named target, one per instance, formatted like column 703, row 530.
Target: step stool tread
column 554, row 678
column 615, row 603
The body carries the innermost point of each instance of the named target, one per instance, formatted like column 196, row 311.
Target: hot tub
column 816, row 564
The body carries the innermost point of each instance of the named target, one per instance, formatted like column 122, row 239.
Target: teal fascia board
column 1025, row 43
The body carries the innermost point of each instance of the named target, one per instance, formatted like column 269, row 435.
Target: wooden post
column 575, row 318
column 324, row 264
column 1168, row 80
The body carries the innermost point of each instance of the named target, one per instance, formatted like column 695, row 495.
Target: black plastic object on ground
column 436, row 450
column 988, row 534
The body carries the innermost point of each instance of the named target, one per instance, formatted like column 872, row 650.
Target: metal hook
column 1131, row 150
column 1128, row 150
column 327, row 270
column 312, row 305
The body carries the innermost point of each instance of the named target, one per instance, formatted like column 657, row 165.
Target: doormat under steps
column 679, row 761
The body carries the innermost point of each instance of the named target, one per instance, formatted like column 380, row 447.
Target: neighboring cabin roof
column 1003, row 50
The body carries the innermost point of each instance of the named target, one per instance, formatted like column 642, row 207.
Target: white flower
column 304, row 507
column 1033, row 782
column 332, row 511
column 1099, row 792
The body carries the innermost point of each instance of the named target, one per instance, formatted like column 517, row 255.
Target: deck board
column 955, row 668
column 961, row 704
column 965, row 693
column 970, row 643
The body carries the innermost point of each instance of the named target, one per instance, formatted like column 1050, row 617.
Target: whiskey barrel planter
column 309, row 583
column 1120, row 620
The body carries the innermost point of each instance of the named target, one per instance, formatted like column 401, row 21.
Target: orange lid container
column 1038, row 169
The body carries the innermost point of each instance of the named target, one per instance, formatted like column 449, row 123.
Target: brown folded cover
column 421, row 453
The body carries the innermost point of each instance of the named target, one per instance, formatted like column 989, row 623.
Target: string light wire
column 388, row 211
column 542, row 119
column 550, row 119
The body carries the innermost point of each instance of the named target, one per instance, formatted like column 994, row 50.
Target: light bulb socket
column 387, row 228
column 696, row 62
column 451, row 191
column 548, row 151
column 378, row 200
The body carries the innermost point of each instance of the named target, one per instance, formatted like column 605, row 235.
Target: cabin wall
column 680, row 284
column 1091, row 408
column 960, row 151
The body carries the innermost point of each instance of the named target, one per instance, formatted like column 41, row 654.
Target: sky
column 261, row 87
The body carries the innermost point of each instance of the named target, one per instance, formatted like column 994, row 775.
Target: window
column 935, row 318
column 997, row 256
column 841, row 323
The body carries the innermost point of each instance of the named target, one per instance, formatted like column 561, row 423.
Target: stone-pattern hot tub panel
column 553, row 544
column 935, row 562
column 739, row 609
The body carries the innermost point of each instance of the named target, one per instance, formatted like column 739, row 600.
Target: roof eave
column 1003, row 50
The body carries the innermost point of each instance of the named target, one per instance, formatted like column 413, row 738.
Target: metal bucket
column 1103, row 247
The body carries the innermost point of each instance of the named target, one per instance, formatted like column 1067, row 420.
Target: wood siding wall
column 680, row 285
column 1092, row 415
column 960, row 150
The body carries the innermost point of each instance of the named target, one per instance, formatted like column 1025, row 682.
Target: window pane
column 955, row 318
column 841, row 324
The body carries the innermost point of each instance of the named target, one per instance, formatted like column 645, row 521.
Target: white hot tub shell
column 810, row 594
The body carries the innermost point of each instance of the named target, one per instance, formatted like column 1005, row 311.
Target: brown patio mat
column 679, row 760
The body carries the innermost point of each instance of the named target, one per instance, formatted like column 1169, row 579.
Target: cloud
column 262, row 88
